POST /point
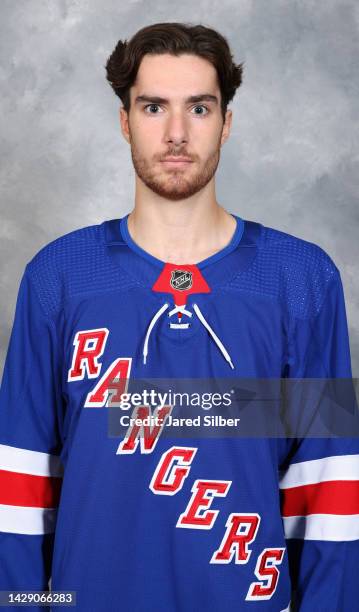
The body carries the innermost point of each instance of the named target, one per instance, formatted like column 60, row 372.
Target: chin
column 174, row 195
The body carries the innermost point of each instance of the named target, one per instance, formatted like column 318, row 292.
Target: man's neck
column 181, row 236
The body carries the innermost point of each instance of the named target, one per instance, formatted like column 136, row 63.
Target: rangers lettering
column 150, row 436
column 265, row 589
column 241, row 531
column 168, row 478
column 203, row 493
column 89, row 346
column 111, row 385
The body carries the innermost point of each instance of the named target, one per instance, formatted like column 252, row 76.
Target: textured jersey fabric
column 181, row 525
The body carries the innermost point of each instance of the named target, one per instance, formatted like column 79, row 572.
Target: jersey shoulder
column 297, row 253
column 292, row 270
column 73, row 264
column 68, row 244
column 301, row 252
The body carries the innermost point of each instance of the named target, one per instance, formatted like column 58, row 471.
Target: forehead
column 171, row 76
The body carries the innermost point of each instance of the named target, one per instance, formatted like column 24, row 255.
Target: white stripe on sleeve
column 340, row 467
column 326, row 527
column 26, row 461
column 30, row 521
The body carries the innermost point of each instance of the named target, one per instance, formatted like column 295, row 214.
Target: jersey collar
column 217, row 269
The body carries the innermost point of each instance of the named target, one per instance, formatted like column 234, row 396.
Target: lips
column 177, row 159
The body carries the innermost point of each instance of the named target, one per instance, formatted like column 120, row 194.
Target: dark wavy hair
column 174, row 38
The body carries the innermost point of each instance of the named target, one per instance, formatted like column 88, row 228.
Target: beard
column 175, row 184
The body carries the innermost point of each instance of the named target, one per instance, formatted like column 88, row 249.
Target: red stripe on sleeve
column 29, row 490
column 332, row 497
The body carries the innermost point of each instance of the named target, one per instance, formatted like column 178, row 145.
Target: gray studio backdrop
column 291, row 161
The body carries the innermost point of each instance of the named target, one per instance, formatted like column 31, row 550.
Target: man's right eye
column 151, row 106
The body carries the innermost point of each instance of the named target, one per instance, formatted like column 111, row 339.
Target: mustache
column 176, row 153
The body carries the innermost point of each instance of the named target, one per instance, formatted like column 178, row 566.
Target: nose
column 176, row 131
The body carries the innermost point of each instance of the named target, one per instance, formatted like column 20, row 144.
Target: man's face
column 164, row 121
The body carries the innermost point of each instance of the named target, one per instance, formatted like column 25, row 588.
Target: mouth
column 175, row 162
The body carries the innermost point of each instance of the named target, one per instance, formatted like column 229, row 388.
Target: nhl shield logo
column 181, row 279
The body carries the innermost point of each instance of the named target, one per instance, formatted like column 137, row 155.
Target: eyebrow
column 191, row 99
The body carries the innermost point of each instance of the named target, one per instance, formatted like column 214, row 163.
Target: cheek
column 208, row 146
column 206, row 138
column 143, row 140
column 148, row 137
column 141, row 130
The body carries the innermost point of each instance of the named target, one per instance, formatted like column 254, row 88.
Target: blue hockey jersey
column 144, row 522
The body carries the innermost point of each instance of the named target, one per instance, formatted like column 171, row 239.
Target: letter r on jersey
column 89, row 346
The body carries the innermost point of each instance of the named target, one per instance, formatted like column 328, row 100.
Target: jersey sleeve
column 319, row 483
column 30, row 445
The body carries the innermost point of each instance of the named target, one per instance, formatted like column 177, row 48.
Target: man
column 177, row 289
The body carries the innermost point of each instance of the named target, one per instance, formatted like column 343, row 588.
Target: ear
column 124, row 124
column 226, row 126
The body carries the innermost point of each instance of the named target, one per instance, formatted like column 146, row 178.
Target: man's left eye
column 201, row 106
